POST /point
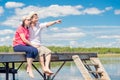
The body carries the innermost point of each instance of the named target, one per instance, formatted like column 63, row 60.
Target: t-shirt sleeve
column 43, row 25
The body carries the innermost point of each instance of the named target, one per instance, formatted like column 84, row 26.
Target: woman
column 35, row 38
column 21, row 44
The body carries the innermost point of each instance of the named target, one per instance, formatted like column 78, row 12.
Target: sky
column 85, row 23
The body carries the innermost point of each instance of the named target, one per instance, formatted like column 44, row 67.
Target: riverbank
column 108, row 55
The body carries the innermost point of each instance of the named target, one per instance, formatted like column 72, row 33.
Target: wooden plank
column 82, row 68
column 20, row 56
column 12, row 57
column 104, row 73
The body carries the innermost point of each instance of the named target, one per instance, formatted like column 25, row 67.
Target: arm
column 53, row 22
column 27, row 41
column 24, row 39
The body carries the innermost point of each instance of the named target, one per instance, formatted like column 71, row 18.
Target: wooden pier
column 88, row 64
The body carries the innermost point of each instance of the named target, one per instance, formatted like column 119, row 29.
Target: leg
column 45, row 68
column 31, row 53
column 41, row 60
column 47, row 62
column 29, row 67
column 45, row 65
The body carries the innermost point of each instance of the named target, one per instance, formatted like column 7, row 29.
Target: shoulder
column 20, row 27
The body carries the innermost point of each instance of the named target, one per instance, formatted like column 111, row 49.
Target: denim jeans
column 31, row 52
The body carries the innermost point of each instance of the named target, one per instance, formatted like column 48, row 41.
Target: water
column 71, row 72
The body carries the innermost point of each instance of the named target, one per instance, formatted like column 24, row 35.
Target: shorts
column 43, row 50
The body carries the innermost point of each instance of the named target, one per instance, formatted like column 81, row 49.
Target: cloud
column 93, row 11
column 108, row 8
column 6, row 32
column 64, row 36
column 68, row 29
column 43, row 12
column 6, row 40
column 117, row 12
column 71, row 29
column 73, row 44
column 14, row 4
column 1, row 10
column 13, row 21
column 110, row 36
column 51, row 11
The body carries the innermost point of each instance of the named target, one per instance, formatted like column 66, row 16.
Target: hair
column 23, row 24
column 33, row 16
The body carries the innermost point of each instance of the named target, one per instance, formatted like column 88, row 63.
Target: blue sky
column 85, row 23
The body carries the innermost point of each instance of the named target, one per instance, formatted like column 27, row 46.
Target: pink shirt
column 17, row 40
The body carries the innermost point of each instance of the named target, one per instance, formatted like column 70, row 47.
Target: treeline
column 68, row 49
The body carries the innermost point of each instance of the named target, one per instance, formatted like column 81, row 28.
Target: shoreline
column 109, row 55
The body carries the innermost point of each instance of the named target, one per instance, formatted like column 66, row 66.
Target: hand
column 58, row 21
column 36, row 46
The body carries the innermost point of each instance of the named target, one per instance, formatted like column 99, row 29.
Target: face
column 27, row 22
column 34, row 19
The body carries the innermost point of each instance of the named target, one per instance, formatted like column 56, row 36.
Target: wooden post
column 13, row 67
column 7, row 71
column 81, row 67
column 104, row 74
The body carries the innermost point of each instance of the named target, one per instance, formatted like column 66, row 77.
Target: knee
column 35, row 51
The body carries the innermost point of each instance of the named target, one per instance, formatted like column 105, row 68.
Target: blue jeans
column 31, row 52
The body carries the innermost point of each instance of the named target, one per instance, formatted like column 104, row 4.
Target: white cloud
column 93, row 11
column 43, row 12
column 51, row 11
column 4, row 39
column 64, row 36
column 1, row 10
column 7, row 40
column 13, row 21
column 68, row 29
column 108, row 8
column 73, row 44
column 71, row 29
column 117, row 12
column 55, row 29
column 110, row 36
column 6, row 32
column 13, row 4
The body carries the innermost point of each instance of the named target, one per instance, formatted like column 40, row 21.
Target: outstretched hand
column 58, row 21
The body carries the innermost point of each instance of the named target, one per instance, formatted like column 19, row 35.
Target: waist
column 18, row 43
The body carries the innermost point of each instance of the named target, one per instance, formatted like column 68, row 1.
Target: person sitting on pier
column 35, row 38
column 22, row 44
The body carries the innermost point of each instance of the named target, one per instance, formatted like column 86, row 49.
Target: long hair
column 23, row 24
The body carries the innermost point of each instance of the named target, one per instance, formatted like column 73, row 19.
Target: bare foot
column 47, row 74
column 48, row 71
column 31, row 74
column 27, row 69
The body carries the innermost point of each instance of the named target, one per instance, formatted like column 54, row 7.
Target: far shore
column 109, row 55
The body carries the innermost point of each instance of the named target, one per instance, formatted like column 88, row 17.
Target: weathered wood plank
column 82, row 68
column 20, row 56
column 104, row 76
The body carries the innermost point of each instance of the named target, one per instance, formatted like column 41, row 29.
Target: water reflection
column 112, row 67
column 71, row 72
